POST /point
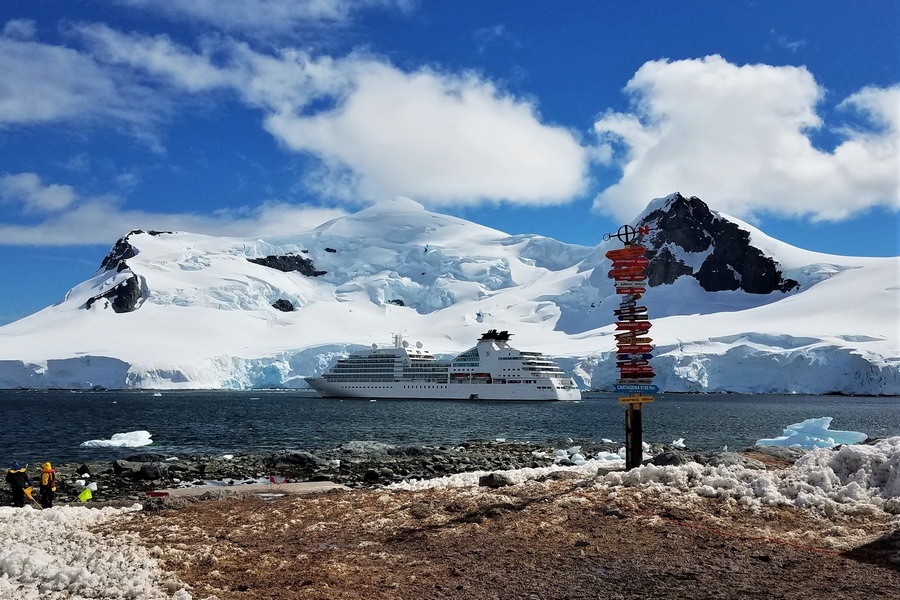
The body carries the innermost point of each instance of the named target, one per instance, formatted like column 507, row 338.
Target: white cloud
column 439, row 138
column 20, row 29
column 65, row 218
column 263, row 16
column 738, row 136
column 43, row 83
column 25, row 190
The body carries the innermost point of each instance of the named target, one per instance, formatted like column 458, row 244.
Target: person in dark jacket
column 18, row 479
column 48, row 485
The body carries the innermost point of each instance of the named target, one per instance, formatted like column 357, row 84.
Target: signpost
column 634, row 351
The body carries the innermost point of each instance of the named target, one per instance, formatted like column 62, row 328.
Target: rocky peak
column 688, row 239
column 122, row 250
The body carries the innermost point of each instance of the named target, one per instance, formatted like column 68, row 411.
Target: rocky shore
column 355, row 464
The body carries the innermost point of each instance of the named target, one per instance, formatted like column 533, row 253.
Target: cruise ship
column 491, row 370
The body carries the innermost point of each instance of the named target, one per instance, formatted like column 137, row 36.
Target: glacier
column 177, row 310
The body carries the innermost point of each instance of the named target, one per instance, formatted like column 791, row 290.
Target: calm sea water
column 51, row 425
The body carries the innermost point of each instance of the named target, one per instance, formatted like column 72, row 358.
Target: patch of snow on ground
column 52, row 554
column 854, row 479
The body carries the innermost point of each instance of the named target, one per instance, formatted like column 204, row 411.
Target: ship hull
column 443, row 391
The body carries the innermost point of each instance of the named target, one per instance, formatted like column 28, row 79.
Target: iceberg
column 132, row 439
column 813, row 433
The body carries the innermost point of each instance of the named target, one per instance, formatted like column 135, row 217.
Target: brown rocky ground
column 558, row 539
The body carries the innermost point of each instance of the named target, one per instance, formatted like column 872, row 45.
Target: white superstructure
column 492, row 370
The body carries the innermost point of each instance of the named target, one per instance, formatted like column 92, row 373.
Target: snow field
column 52, row 554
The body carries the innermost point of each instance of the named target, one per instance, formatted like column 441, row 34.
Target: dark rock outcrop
column 283, row 305
column 686, row 225
column 122, row 250
column 288, row 263
column 123, row 297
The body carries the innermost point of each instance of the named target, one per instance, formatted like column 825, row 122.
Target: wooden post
column 633, row 344
column 634, row 435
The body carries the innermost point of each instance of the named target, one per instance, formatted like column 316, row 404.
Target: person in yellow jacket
column 48, row 485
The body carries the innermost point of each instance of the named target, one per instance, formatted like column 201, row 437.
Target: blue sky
column 253, row 117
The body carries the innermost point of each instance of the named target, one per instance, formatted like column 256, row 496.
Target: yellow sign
column 635, row 399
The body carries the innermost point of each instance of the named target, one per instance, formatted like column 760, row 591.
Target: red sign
column 640, row 325
column 630, row 290
column 636, row 369
column 635, row 348
column 634, row 339
column 626, row 252
column 638, row 261
column 626, row 271
column 632, row 376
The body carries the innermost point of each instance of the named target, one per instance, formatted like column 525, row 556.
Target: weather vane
column 628, row 234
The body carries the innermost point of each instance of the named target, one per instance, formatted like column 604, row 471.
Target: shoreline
column 356, row 465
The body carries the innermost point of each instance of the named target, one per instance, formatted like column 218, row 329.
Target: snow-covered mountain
column 732, row 309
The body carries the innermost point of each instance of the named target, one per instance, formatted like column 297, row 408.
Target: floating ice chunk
column 132, row 439
column 574, row 450
column 813, row 433
column 679, row 443
column 228, row 456
column 607, row 441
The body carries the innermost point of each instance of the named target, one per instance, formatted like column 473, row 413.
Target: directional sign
column 630, row 310
column 638, row 325
column 630, row 290
column 632, row 363
column 618, row 271
column 631, row 262
column 631, row 282
column 621, row 336
column 634, row 356
column 642, row 375
column 635, row 399
column 636, row 369
column 633, row 379
column 627, row 277
column 642, row 348
column 626, row 252
column 636, row 387
column 632, row 317
column 633, row 342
